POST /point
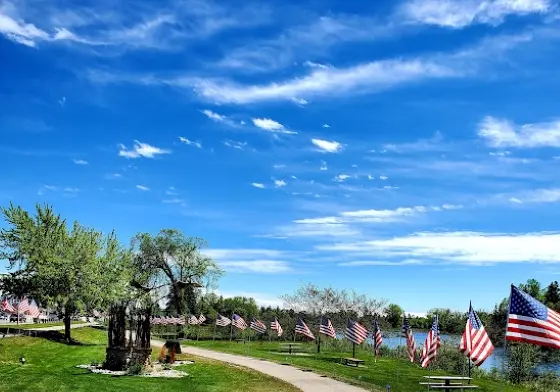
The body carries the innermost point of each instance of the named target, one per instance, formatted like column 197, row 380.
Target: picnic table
column 352, row 361
column 240, row 340
column 448, row 383
column 292, row 347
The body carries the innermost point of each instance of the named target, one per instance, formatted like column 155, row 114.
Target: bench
column 240, row 340
column 352, row 362
column 290, row 347
column 448, row 387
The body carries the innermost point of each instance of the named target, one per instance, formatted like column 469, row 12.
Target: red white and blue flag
column 238, row 322
column 275, row 326
column 409, row 336
column 258, row 326
column 377, row 337
column 355, row 332
column 222, row 321
column 193, row 320
column 201, row 319
column 531, row 322
column 303, row 329
column 326, row 327
column 475, row 342
column 433, row 342
column 7, row 307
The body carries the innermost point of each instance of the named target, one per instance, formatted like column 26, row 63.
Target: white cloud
column 501, row 133
column 190, row 142
column 141, row 150
column 219, row 118
column 113, row 176
column 235, row 145
column 342, row 177
column 363, row 263
column 326, row 126
column 370, row 177
column 300, row 101
column 383, row 178
column 174, row 201
column 258, row 185
column 377, row 216
column 461, row 248
column 537, row 196
column 279, row 166
column 256, row 266
column 327, row 146
column 171, row 191
column 321, row 230
column 311, row 64
column 459, row 14
column 270, row 125
column 250, row 260
column 80, row 162
column 366, row 77
column 142, row 187
column 279, row 183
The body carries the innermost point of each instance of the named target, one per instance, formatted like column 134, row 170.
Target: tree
column 74, row 269
column 552, row 295
column 533, row 288
column 393, row 315
column 172, row 262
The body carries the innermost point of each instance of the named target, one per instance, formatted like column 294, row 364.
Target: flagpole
column 231, row 329
column 297, row 319
column 214, row 334
column 319, row 335
column 505, row 335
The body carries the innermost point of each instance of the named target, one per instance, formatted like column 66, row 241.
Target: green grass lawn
column 51, row 367
column 401, row 375
column 13, row 326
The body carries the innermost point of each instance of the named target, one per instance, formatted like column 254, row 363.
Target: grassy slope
column 401, row 375
column 51, row 366
column 14, row 326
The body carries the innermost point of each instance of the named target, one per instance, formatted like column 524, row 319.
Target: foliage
column 522, row 359
column 73, row 268
column 171, row 262
column 393, row 315
column 135, row 369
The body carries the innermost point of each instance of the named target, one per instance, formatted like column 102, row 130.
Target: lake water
column 496, row 360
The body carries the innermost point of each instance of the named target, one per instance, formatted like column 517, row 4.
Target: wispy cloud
column 459, row 14
column 256, row 266
column 80, row 162
column 502, row 133
column 268, row 261
column 141, row 150
column 190, row 142
column 279, row 183
column 235, row 145
column 142, row 188
column 258, row 185
column 220, row 118
column 270, row 125
column 471, row 248
column 537, row 196
column 327, row 146
column 342, row 177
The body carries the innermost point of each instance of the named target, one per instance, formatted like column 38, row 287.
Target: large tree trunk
column 67, row 324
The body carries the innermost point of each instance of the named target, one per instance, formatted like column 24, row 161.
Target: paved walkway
column 306, row 381
column 27, row 331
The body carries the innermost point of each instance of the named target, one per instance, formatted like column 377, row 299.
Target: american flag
column 326, row 327
column 6, row 306
column 23, row 305
column 303, row 329
column 154, row 320
column 409, row 336
column 531, row 322
column 238, row 322
column 355, row 332
column 275, row 326
column 193, row 320
column 180, row 320
column 377, row 337
column 475, row 342
column 201, row 319
column 34, row 310
column 433, row 341
column 258, row 326
column 222, row 321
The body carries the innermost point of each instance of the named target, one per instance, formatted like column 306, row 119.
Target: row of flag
column 179, row 320
column 22, row 306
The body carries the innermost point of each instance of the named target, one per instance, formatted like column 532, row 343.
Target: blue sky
column 405, row 149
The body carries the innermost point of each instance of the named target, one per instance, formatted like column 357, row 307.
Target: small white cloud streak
column 142, row 188
column 270, row 125
column 190, row 142
column 81, row 162
column 279, row 183
column 220, row 118
column 258, row 185
column 256, row 266
column 327, row 146
column 537, row 196
column 141, row 150
column 501, row 133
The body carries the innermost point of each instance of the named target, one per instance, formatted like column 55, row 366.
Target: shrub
column 521, row 363
column 135, row 369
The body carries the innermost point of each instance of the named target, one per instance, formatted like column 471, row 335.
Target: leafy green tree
column 393, row 315
column 171, row 261
column 552, row 295
column 533, row 288
column 73, row 269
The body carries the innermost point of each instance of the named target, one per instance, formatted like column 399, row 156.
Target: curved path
column 306, row 381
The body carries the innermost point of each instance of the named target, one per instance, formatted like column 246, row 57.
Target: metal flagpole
column 214, row 335
column 319, row 335
column 231, row 329
column 505, row 338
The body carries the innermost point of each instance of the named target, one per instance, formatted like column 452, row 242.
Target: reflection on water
column 496, row 360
